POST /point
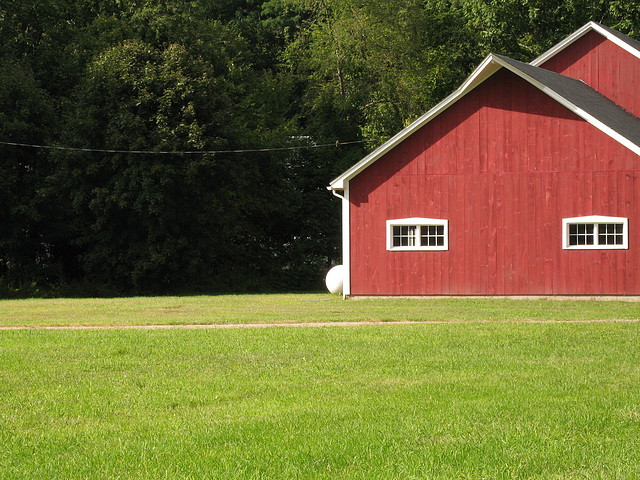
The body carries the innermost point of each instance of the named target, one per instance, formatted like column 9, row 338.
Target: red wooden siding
column 604, row 66
column 504, row 165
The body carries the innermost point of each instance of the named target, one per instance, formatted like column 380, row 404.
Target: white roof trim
column 483, row 71
column 579, row 34
column 488, row 67
column 575, row 109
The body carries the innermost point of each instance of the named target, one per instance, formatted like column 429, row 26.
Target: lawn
column 468, row 400
column 233, row 309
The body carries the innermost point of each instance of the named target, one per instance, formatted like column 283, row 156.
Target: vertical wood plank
column 532, row 228
column 505, row 230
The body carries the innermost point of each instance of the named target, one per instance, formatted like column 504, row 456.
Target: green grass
column 461, row 400
column 226, row 309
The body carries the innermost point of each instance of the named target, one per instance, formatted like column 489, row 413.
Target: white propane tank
column 334, row 279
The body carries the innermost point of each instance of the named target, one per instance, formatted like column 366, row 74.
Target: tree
column 525, row 29
column 380, row 65
column 26, row 114
column 151, row 221
column 186, row 75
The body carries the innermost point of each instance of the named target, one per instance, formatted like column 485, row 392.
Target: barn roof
column 574, row 94
column 623, row 41
column 584, row 101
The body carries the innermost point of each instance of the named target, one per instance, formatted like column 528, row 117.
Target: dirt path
column 292, row 324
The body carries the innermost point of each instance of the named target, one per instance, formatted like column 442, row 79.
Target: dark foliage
column 176, row 76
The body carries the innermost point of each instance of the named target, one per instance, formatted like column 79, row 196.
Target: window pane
column 424, row 236
column 396, row 236
column 427, row 237
column 432, row 236
column 602, row 239
column 403, row 235
column 610, row 234
column 573, row 234
column 581, row 234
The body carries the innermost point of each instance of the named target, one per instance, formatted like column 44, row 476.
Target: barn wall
column 504, row 165
column 603, row 65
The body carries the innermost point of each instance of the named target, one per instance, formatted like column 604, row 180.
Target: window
column 417, row 234
column 595, row 232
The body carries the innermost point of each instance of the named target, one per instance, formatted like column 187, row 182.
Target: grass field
column 225, row 309
column 472, row 399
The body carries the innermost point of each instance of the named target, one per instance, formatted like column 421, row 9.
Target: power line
column 186, row 152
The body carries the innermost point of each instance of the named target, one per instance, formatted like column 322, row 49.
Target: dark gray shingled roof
column 584, row 97
column 625, row 38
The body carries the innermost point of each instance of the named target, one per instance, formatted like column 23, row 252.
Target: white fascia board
column 574, row 108
column 602, row 127
column 483, row 71
column 579, row 34
column 488, row 67
column 564, row 43
column 617, row 40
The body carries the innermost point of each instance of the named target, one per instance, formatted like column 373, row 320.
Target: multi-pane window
column 595, row 232
column 417, row 234
column 581, row 234
column 610, row 234
column 404, row 235
column 432, row 235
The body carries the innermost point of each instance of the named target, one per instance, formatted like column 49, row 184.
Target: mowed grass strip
column 438, row 401
column 228, row 309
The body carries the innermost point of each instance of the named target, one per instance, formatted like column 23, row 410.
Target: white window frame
column 417, row 223
column 595, row 220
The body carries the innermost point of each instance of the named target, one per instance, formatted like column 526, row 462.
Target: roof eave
column 488, row 67
column 483, row 71
column 572, row 107
column 591, row 26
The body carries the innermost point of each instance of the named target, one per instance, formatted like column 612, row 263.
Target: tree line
column 189, row 142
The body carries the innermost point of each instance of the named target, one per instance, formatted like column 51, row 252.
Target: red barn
column 524, row 181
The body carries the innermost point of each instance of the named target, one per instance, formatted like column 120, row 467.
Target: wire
column 186, row 152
